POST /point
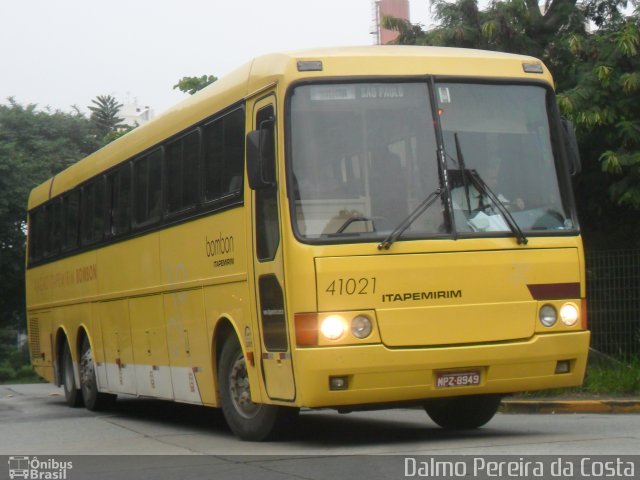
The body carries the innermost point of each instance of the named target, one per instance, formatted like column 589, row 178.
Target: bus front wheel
column 463, row 412
column 72, row 394
column 93, row 399
column 247, row 420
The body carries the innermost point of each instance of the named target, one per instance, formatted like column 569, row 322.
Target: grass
column 613, row 380
column 605, row 376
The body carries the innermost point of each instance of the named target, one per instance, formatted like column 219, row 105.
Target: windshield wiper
column 406, row 223
column 484, row 189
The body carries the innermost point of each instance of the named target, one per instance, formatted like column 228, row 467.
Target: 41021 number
column 352, row 286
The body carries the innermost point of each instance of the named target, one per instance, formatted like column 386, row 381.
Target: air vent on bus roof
column 532, row 67
column 309, row 66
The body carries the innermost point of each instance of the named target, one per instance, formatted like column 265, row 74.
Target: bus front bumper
column 375, row 374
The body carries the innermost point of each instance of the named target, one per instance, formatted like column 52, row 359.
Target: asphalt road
column 34, row 420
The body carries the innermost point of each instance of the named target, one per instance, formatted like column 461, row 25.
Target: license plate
column 457, row 379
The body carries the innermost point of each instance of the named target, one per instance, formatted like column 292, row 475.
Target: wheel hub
column 239, row 389
column 86, row 370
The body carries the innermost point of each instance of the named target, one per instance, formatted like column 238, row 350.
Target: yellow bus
column 348, row 228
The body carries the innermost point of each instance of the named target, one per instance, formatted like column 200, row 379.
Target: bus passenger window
column 234, row 146
column 147, row 187
column 36, row 226
column 93, row 212
column 181, row 163
column 56, row 226
column 49, row 223
column 224, row 156
column 119, row 192
column 71, row 207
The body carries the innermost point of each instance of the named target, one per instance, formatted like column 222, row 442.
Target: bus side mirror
column 571, row 147
column 261, row 156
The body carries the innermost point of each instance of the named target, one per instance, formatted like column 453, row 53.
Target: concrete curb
column 570, row 406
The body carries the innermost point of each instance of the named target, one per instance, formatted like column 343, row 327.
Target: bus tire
column 72, row 393
column 458, row 413
column 93, row 399
column 247, row 420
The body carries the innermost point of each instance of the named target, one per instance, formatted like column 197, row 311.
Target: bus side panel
column 231, row 302
column 149, row 342
column 128, row 268
column 118, row 349
column 98, row 348
column 127, row 271
column 189, row 350
column 41, row 343
column 199, row 259
column 67, row 280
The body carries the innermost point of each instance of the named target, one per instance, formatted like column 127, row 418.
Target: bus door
column 276, row 361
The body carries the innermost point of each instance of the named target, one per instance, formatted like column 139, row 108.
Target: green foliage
column 34, row 145
column 25, row 372
column 7, row 342
column 6, row 374
column 515, row 26
column 104, row 117
column 191, row 85
column 613, row 380
column 14, row 362
column 605, row 106
column 409, row 34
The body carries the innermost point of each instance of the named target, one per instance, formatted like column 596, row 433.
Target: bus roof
column 268, row 70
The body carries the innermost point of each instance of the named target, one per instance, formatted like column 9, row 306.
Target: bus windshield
column 364, row 156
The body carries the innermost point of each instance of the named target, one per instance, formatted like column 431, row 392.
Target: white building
column 135, row 115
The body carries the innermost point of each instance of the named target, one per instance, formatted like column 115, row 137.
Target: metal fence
column 613, row 301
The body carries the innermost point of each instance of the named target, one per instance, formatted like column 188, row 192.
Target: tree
column 605, row 107
column 605, row 104
column 34, row 145
column 515, row 26
column 191, row 85
column 104, row 115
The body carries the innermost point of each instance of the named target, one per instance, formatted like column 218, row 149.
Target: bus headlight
column 361, row 326
column 333, row 327
column 569, row 314
column 548, row 315
column 318, row 329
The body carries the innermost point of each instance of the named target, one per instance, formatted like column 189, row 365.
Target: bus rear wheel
column 247, row 420
column 458, row 413
column 72, row 394
column 93, row 399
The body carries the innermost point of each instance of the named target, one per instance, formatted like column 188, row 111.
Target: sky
column 60, row 53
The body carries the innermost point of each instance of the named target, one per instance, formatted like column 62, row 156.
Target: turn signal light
column 583, row 317
column 306, row 329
